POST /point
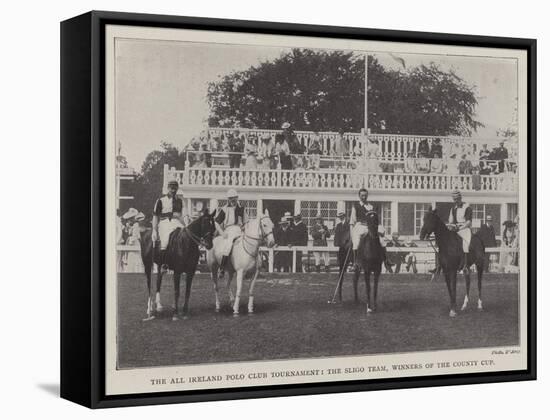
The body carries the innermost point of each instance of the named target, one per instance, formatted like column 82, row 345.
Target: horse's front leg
column 150, row 299
column 452, row 291
column 229, row 290
column 375, row 290
column 159, row 284
column 188, row 282
column 479, row 268
column 177, row 277
column 251, row 292
column 240, row 275
column 356, row 274
column 467, row 295
column 214, row 277
column 367, row 286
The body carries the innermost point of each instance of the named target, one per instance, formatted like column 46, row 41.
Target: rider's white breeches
column 466, row 235
column 357, row 232
column 166, row 227
column 233, row 231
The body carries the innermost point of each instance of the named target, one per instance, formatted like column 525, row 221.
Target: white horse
column 242, row 260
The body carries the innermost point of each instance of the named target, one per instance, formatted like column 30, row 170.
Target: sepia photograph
column 287, row 209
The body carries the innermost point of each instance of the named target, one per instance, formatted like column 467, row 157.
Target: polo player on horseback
column 169, row 213
column 460, row 220
column 358, row 223
column 229, row 222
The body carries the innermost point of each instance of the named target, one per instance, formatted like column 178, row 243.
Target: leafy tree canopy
column 324, row 91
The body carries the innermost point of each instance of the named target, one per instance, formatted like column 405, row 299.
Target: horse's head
column 372, row 222
column 429, row 224
column 207, row 228
column 266, row 226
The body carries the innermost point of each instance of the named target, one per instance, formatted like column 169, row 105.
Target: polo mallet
column 341, row 278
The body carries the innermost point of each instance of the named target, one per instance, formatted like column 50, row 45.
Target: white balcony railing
column 322, row 180
column 391, row 147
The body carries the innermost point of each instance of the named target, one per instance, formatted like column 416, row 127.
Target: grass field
column 293, row 320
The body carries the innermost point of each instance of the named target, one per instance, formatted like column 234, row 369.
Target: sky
column 161, row 86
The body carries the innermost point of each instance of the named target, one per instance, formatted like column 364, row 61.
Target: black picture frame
column 82, row 204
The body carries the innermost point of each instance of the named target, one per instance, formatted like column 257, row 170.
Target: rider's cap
column 285, row 125
column 341, row 214
column 173, row 184
column 232, row 193
column 456, row 193
column 489, row 217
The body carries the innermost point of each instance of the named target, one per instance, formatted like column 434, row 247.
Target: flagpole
column 366, row 126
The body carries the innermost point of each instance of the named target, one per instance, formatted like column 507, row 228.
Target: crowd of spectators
column 284, row 150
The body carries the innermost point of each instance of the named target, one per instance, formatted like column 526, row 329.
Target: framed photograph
column 254, row 209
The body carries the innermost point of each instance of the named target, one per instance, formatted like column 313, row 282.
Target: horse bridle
column 198, row 240
column 261, row 238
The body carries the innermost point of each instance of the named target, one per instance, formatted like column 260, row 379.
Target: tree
column 324, row 91
column 148, row 184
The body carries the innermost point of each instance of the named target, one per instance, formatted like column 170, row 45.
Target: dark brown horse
column 181, row 256
column 452, row 258
column 371, row 256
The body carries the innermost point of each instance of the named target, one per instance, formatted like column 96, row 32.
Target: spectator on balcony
column 410, row 164
column 299, row 237
column 436, row 148
column 423, row 165
column 423, row 149
column 340, row 145
column 207, row 152
column 342, row 240
column 373, row 165
column 283, row 258
column 436, row 165
column 484, row 153
column 501, row 154
column 283, row 151
column 251, row 153
column 236, row 147
column 315, row 151
column 454, row 151
column 225, row 147
column 320, row 233
column 267, row 153
column 465, row 166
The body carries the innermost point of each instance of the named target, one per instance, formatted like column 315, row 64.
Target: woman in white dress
column 251, row 153
column 134, row 263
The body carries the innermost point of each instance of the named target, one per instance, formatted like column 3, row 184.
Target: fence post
column 270, row 258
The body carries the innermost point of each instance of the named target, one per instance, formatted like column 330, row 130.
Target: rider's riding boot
column 223, row 263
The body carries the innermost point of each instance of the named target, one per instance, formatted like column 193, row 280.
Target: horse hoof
column 452, row 313
column 235, row 314
column 149, row 318
column 175, row 318
column 369, row 310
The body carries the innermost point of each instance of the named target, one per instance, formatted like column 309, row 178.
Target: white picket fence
column 425, row 256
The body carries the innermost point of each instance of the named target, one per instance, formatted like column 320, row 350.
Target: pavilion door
column 277, row 209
